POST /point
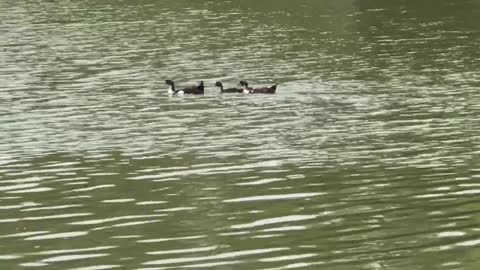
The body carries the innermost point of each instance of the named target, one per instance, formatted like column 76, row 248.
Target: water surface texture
column 366, row 158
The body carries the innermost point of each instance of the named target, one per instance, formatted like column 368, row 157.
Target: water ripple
column 276, row 220
column 221, row 256
column 274, row 197
column 72, row 257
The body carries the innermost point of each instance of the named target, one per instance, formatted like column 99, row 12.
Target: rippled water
column 366, row 158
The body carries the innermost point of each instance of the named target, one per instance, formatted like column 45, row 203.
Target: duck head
column 219, row 84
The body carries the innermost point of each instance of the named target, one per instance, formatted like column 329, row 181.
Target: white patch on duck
column 245, row 90
column 170, row 90
column 180, row 93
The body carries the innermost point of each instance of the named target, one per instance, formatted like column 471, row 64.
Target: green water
column 366, row 158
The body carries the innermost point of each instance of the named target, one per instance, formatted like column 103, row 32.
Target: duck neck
column 171, row 88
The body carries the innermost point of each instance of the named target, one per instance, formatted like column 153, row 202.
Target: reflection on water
column 366, row 158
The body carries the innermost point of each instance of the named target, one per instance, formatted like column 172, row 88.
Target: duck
column 261, row 90
column 228, row 90
column 193, row 90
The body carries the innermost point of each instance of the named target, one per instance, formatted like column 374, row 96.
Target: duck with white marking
column 261, row 90
column 192, row 90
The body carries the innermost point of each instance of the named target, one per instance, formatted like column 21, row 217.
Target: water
column 366, row 158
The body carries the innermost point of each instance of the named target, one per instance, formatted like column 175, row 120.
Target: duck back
column 195, row 90
column 264, row 90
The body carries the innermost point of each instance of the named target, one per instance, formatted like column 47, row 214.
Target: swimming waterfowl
column 228, row 90
column 262, row 90
column 193, row 90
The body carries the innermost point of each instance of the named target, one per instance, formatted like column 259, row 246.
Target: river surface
column 366, row 158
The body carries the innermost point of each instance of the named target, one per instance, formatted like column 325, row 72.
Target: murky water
column 366, row 158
